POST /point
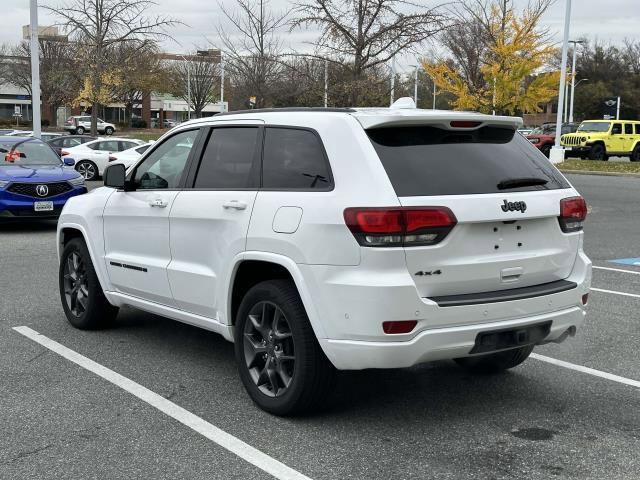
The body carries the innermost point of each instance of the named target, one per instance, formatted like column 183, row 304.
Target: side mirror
column 114, row 176
column 68, row 161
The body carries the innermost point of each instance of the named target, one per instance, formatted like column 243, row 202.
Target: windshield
column 594, row 127
column 426, row 160
column 27, row 152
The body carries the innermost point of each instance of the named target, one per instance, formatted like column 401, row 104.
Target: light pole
column 326, row 83
column 188, row 87
column 573, row 75
column 573, row 88
column 434, row 93
column 415, row 88
column 221, row 80
column 35, row 70
column 393, row 79
column 557, row 153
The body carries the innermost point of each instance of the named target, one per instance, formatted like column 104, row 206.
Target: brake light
column 398, row 227
column 12, row 156
column 399, row 326
column 464, row 124
column 112, row 158
column 64, row 153
column 573, row 212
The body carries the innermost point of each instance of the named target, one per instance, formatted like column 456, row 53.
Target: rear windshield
column 28, row 152
column 432, row 161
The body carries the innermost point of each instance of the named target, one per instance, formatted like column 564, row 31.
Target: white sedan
column 93, row 157
column 129, row 157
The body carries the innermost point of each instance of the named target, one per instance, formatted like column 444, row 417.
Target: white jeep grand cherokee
column 323, row 239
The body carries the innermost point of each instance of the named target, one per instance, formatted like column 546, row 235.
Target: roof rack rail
column 289, row 109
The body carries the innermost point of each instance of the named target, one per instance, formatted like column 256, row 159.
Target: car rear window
column 425, row 160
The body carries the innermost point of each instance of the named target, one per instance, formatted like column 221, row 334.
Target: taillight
column 464, row 124
column 112, row 158
column 399, row 227
column 64, row 153
column 573, row 212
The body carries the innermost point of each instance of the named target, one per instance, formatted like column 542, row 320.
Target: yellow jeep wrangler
column 601, row 139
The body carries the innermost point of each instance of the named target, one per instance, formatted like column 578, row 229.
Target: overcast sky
column 608, row 21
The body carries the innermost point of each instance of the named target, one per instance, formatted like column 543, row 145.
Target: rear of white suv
column 348, row 239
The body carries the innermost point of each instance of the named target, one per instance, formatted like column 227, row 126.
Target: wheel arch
column 254, row 267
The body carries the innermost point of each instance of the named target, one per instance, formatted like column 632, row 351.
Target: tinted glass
column 616, row 129
column 637, row 128
column 27, row 152
column 127, row 145
column 57, row 142
column 594, row 127
column 228, row 159
column 628, row 129
column 164, row 167
column 294, row 159
column 143, row 149
column 71, row 142
column 108, row 145
column 433, row 161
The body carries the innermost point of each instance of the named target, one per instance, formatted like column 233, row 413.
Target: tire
column 496, row 362
column 280, row 362
column 108, row 131
column 87, row 169
column 546, row 150
column 80, row 130
column 598, row 152
column 635, row 155
column 82, row 298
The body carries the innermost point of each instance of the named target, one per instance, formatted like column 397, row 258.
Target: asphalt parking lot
column 539, row 421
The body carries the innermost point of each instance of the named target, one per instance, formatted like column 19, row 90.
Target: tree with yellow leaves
column 509, row 74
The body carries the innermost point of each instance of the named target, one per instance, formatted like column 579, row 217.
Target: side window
column 108, row 146
column 628, row 129
column 94, row 146
column 228, row 159
column 637, row 128
column 617, row 129
column 126, row 145
column 294, row 159
column 143, row 149
column 71, row 142
column 164, row 167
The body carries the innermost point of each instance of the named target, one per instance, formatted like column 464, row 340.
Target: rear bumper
column 440, row 343
column 352, row 313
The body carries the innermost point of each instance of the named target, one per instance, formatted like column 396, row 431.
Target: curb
column 605, row 174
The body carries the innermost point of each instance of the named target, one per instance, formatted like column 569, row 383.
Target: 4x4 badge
column 513, row 206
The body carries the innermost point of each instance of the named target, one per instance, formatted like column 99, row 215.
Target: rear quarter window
column 427, row 161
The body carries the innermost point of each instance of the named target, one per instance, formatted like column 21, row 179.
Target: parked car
column 82, row 123
column 599, row 139
column 68, row 141
column 169, row 123
column 93, row 157
column 34, row 181
column 130, row 156
column 545, row 137
column 318, row 239
column 525, row 131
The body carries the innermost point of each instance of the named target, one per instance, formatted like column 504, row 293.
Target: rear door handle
column 158, row 202
column 235, row 204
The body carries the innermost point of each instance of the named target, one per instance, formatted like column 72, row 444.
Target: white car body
column 130, row 156
column 81, row 124
column 98, row 151
column 183, row 248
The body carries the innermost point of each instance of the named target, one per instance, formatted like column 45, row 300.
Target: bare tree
column 202, row 72
column 253, row 48
column 368, row 33
column 631, row 55
column 140, row 71
column 98, row 25
column 57, row 59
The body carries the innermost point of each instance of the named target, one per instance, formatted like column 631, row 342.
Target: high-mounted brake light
column 573, row 212
column 398, row 227
column 464, row 124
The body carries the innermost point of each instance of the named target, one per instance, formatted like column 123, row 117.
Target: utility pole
column 415, row 89
column 326, row 83
column 393, row 79
column 618, row 110
column 222, row 80
column 35, row 71
column 434, row 93
column 557, row 152
column 573, row 77
column 566, row 102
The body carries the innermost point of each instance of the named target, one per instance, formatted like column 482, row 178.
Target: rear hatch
column 505, row 197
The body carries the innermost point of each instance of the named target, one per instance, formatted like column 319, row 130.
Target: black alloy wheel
column 269, row 349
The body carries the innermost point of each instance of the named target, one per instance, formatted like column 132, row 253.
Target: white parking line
column 590, row 371
column 616, row 270
column 634, row 295
column 234, row 445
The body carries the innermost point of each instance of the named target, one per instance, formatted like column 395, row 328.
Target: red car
column 545, row 136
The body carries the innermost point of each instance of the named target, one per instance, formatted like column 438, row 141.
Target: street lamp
column 188, row 86
column 35, row 70
column 415, row 85
column 557, row 153
column 573, row 75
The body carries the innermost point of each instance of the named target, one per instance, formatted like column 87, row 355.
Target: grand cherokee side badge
column 514, row 206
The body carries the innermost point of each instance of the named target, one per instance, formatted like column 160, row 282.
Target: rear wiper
column 508, row 183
